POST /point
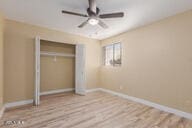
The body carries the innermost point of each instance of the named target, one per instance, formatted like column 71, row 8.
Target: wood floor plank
column 95, row 110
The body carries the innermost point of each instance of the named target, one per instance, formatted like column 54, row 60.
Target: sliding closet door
column 37, row 72
column 80, row 87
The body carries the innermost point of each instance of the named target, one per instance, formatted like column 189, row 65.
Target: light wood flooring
column 95, row 110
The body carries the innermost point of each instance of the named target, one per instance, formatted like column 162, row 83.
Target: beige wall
column 1, row 60
column 59, row 74
column 157, row 63
column 19, row 58
column 51, row 46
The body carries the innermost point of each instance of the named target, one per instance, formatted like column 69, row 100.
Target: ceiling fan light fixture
column 93, row 21
column 93, row 16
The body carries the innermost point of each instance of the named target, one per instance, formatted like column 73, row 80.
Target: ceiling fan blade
column 93, row 6
column 102, row 24
column 83, row 24
column 74, row 13
column 112, row 15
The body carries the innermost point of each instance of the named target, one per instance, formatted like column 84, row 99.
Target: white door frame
column 80, row 87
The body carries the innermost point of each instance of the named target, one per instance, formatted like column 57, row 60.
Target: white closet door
column 37, row 71
column 80, row 87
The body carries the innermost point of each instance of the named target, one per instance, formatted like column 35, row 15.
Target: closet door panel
column 80, row 87
column 37, row 72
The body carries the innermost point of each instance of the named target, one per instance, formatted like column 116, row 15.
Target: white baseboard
column 2, row 111
column 145, row 102
column 93, row 90
column 151, row 104
column 57, row 91
column 25, row 102
column 18, row 103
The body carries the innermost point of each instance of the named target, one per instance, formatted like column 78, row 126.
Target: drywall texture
column 19, row 58
column 1, row 60
column 57, row 73
column 156, row 63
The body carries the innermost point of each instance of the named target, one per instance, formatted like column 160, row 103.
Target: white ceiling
column 47, row 13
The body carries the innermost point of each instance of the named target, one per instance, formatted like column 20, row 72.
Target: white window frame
column 104, row 54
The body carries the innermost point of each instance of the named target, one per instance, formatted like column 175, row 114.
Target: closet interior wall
column 57, row 71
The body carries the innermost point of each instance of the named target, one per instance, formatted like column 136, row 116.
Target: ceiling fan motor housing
column 90, row 13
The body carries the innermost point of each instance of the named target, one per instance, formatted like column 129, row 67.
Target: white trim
column 93, row 90
column 149, row 103
column 25, row 102
column 18, row 103
column 37, row 71
column 145, row 102
column 56, row 91
column 2, row 111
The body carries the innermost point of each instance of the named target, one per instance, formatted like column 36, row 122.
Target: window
column 112, row 54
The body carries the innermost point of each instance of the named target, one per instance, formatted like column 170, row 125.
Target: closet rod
column 44, row 53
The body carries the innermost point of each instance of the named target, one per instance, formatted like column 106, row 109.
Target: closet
column 59, row 67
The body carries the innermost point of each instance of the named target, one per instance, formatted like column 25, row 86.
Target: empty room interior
column 96, row 64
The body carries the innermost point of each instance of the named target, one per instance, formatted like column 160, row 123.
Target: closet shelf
column 45, row 53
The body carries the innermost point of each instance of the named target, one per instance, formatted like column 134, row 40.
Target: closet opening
column 57, row 62
column 60, row 67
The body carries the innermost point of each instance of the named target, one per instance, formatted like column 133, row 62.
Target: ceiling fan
column 93, row 15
